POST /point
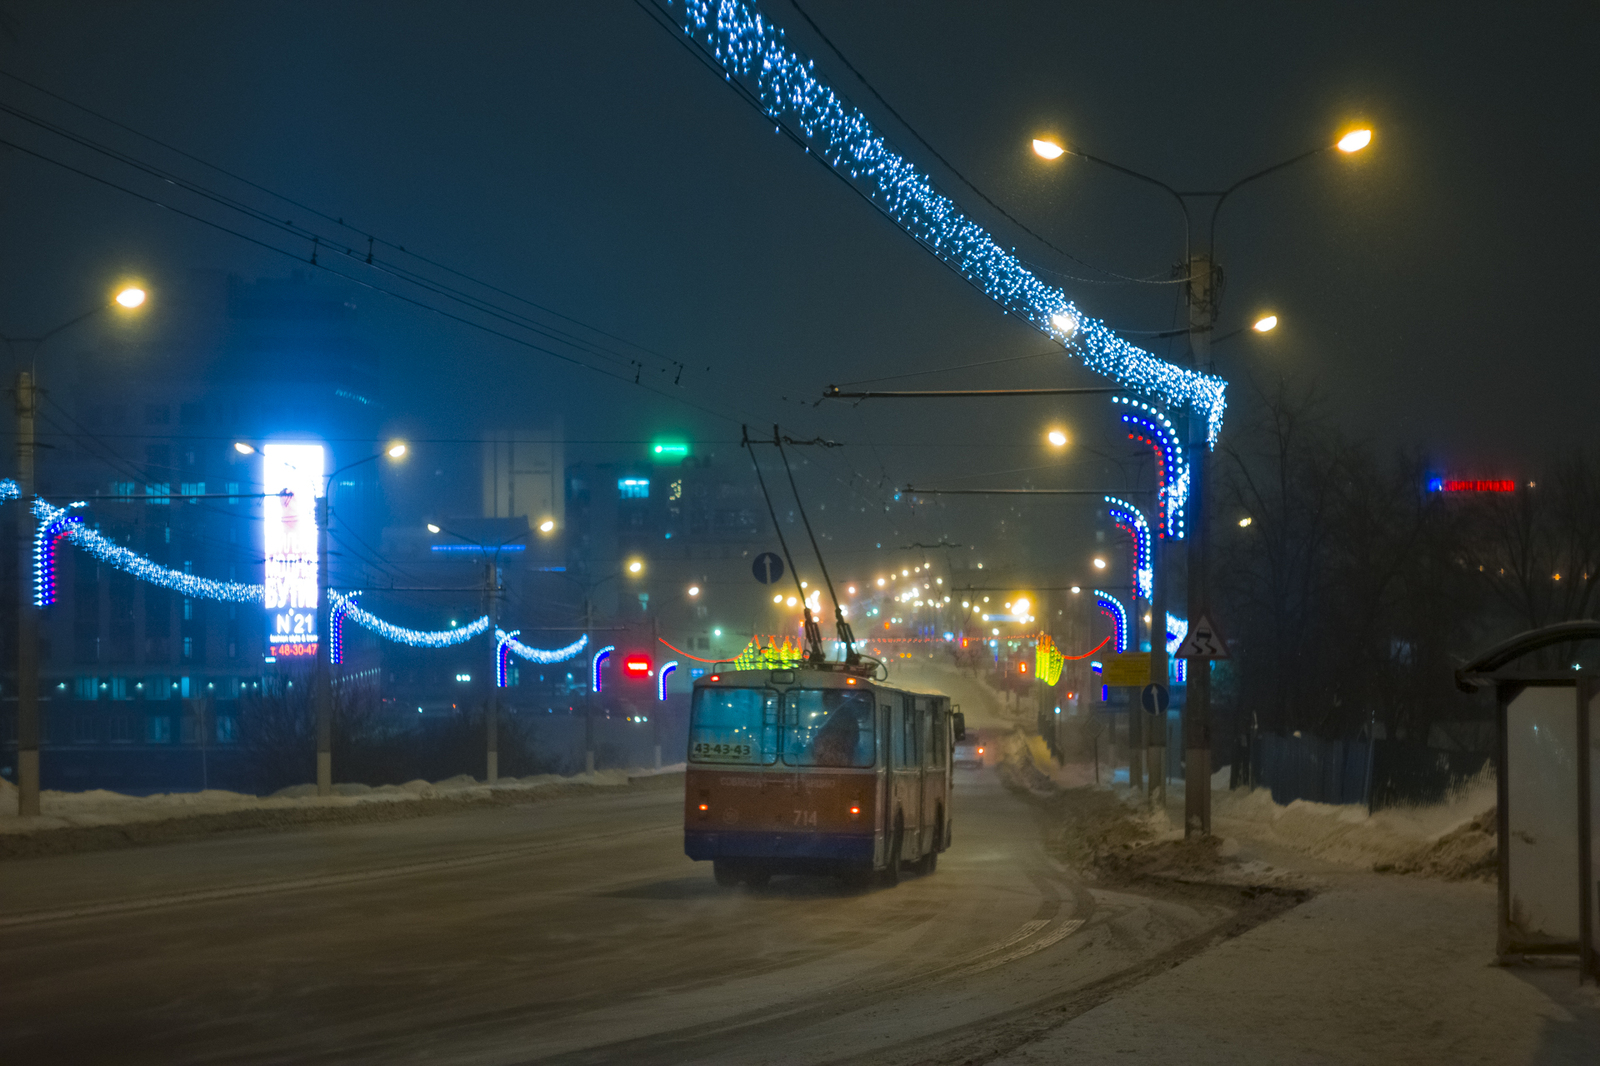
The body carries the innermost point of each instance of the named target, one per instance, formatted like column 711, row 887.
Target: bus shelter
column 1548, row 722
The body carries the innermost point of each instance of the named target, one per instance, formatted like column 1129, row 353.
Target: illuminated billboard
column 291, row 476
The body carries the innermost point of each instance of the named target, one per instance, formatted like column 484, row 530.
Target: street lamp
column 1265, row 324
column 27, row 408
column 1057, row 438
column 1203, row 299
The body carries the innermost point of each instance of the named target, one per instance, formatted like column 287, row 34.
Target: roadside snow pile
column 1454, row 840
column 98, row 807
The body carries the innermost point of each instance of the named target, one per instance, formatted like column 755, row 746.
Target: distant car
column 969, row 752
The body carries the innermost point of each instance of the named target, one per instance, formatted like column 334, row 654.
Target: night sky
column 1436, row 288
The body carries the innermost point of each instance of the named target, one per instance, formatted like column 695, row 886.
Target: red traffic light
column 636, row 665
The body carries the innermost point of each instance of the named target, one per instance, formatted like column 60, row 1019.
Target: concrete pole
column 492, row 715
column 1197, row 706
column 27, row 613
column 322, row 678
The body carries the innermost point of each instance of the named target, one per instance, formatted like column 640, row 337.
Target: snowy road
column 567, row 931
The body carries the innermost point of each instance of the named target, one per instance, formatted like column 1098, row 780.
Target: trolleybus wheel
column 757, row 876
column 891, row 870
column 725, row 872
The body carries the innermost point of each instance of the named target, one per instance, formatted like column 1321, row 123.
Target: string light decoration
column 752, row 52
column 772, row 656
column 340, row 607
column 1172, row 468
column 1177, row 629
column 1112, row 608
column 599, row 660
column 1047, row 660
column 416, row 638
column 111, row 553
column 45, row 538
column 1131, row 521
column 9, row 490
column 507, row 645
column 661, row 684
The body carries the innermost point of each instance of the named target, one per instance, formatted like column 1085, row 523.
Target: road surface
column 567, row 931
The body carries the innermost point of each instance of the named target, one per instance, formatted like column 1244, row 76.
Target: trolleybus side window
column 909, row 758
column 734, row 725
column 939, row 742
column 827, row 727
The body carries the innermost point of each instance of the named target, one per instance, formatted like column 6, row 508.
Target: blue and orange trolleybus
column 816, row 769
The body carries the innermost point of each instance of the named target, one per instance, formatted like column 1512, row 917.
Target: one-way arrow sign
column 1203, row 641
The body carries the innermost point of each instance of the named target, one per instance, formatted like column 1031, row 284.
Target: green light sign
column 670, row 450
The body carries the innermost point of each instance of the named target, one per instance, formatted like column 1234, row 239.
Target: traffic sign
column 1154, row 698
column 1127, row 670
column 1203, row 641
column 767, row 568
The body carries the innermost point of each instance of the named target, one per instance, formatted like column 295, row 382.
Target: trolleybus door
column 884, row 821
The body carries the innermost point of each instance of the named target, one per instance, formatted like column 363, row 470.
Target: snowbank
column 98, row 807
column 1454, row 840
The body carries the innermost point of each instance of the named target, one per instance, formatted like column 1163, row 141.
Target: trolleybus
column 816, row 770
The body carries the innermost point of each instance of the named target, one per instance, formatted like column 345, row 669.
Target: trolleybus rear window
column 827, row 727
column 734, row 725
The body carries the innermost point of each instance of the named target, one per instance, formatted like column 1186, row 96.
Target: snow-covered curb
column 64, row 812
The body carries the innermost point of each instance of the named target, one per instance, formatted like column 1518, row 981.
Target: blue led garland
column 599, row 660
column 9, row 490
column 416, row 638
column 111, row 553
column 507, row 645
column 1177, row 629
column 751, row 49
column 666, row 668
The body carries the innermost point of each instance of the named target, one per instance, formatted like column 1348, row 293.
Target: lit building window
column 633, row 488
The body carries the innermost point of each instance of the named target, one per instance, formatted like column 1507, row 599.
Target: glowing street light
column 635, row 567
column 1099, row 563
column 1353, row 141
column 244, row 449
column 1057, row 438
column 1265, row 324
column 432, row 528
column 1048, row 149
column 131, row 297
column 1245, row 521
column 547, row 525
column 694, row 590
column 396, row 450
column 778, row 598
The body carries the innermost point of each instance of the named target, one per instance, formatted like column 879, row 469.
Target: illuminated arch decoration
column 416, row 638
column 751, row 51
column 1177, row 629
column 340, row 607
column 507, row 645
column 1152, row 427
column 45, row 538
column 1047, row 660
column 1128, row 518
column 1112, row 608
column 661, row 684
column 111, row 553
column 599, row 660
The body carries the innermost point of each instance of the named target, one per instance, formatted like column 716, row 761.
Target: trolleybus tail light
column 716, row 677
column 855, row 812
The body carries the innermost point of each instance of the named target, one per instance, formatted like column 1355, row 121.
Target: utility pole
column 1201, row 289
column 588, row 691
column 1158, row 663
column 492, row 590
column 27, row 613
column 322, row 680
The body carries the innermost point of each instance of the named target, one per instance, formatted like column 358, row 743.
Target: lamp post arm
column 1178, row 197
column 1222, row 197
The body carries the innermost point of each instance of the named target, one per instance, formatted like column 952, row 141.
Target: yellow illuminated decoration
column 1048, row 660
column 771, row 656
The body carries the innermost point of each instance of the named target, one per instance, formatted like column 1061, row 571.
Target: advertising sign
column 291, row 475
